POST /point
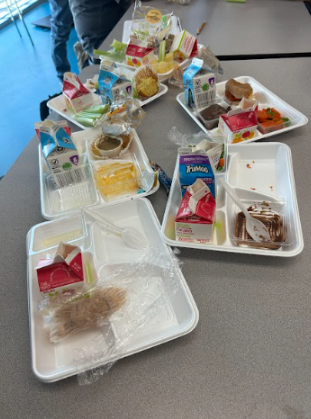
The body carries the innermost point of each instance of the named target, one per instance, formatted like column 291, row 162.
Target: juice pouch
column 195, row 165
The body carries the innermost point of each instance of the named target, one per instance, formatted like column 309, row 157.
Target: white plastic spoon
column 255, row 228
column 132, row 237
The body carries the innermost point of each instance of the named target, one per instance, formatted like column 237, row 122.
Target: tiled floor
column 27, row 77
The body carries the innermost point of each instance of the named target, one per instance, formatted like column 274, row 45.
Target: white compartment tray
column 268, row 169
column 263, row 96
column 51, row 206
column 58, row 104
column 53, row 362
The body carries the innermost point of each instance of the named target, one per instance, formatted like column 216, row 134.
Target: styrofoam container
column 51, row 207
column 53, row 362
column 260, row 172
column 58, row 104
column 263, row 96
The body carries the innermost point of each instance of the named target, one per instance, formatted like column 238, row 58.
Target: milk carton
column 199, row 85
column 60, row 154
column 77, row 97
column 185, row 44
column 195, row 217
column 111, row 84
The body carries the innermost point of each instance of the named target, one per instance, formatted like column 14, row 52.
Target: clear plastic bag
column 148, row 22
column 127, row 301
column 204, row 53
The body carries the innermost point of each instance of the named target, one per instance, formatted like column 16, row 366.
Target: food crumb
column 253, row 161
column 253, row 189
column 248, row 166
column 271, row 187
column 65, row 110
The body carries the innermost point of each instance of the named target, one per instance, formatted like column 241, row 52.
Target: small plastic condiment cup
column 114, row 152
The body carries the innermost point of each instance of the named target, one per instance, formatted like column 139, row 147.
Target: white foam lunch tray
column 53, row 362
column 268, row 169
column 263, row 96
column 59, row 106
column 49, row 197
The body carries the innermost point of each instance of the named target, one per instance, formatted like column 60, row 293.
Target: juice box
column 138, row 55
column 184, row 43
column 195, row 217
column 77, row 96
column 240, row 124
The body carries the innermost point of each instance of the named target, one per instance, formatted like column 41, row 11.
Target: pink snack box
column 138, row 55
column 195, row 217
column 239, row 124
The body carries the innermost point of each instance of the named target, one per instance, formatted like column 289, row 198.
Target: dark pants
column 61, row 25
column 94, row 20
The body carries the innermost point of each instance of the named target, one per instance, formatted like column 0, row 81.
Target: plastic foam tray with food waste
column 151, row 302
column 107, row 180
column 286, row 118
column 58, row 104
column 262, row 176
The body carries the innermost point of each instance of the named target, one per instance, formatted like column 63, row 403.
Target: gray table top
column 257, row 27
column 249, row 356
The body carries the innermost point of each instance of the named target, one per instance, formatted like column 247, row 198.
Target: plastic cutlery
column 132, row 237
column 255, row 228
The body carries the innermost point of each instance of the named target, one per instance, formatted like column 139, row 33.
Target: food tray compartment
column 270, row 179
column 81, row 138
column 273, row 214
column 57, row 202
column 52, row 362
column 263, row 96
column 109, row 186
column 211, row 124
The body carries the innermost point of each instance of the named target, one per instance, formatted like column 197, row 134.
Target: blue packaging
column 194, row 165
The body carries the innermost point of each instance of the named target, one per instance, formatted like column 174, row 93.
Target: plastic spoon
column 130, row 235
column 255, row 228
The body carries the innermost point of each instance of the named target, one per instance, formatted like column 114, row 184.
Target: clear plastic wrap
column 205, row 54
column 202, row 140
column 148, row 22
column 127, row 301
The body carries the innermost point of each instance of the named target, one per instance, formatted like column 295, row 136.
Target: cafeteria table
column 250, row 355
column 255, row 29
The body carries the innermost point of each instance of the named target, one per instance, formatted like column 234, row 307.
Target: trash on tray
column 195, row 217
column 62, row 273
column 117, row 177
column 272, row 215
column 60, row 154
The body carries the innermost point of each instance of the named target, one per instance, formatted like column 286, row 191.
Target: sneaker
column 81, row 55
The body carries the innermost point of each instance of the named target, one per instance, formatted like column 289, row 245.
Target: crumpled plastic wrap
column 126, row 301
column 122, row 116
column 186, row 140
column 205, row 54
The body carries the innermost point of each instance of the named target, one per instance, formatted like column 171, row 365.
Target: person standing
column 61, row 25
column 94, row 20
